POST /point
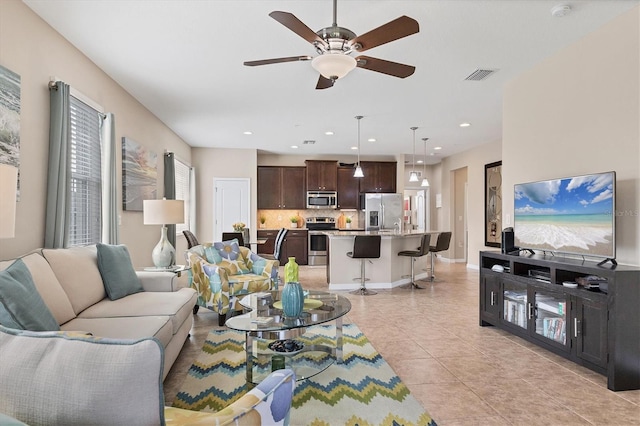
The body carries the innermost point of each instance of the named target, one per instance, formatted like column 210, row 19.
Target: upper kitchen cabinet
column 348, row 188
column 281, row 187
column 379, row 176
column 322, row 175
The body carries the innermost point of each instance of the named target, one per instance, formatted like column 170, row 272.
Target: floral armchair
column 222, row 272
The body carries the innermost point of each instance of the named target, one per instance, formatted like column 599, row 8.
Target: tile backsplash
column 281, row 218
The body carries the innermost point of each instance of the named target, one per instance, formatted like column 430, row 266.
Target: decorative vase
column 292, row 299
column 291, row 271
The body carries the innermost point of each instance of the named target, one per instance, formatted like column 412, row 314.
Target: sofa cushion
column 21, row 306
column 124, row 327
column 108, row 382
column 118, row 276
column 77, row 271
column 177, row 305
column 48, row 286
column 230, row 251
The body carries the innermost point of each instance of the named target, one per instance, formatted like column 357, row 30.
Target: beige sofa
column 70, row 284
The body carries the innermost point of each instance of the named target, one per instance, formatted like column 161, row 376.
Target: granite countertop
column 390, row 234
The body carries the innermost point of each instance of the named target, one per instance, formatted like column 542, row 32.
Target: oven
column 318, row 241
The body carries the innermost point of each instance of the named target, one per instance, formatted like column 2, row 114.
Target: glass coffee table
column 273, row 340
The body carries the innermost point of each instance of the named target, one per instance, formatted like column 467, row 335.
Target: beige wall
column 212, row 163
column 452, row 185
column 32, row 49
column 578, row 112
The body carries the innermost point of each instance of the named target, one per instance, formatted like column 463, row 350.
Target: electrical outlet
column 279, row 218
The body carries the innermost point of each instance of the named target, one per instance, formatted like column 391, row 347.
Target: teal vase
column 291, row 271
column 292, row 299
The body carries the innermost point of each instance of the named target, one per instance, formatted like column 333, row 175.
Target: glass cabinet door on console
column 515, row 310
column 551, row 322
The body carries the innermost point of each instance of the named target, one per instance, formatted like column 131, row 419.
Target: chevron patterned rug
column 363, row 390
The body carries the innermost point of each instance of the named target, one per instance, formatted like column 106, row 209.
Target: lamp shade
column 333, row 65
column 162, row 212
column 8, row 191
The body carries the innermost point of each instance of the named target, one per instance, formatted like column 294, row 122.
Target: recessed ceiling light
column 354, row 148
column 437, row 148
column 371, row 139
column 294, row 146
column 329, row 133
column 420, row 161
column 465, row 124
column 248, row 133
column 560, row 10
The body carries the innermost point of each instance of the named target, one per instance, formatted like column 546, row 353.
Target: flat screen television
column 574, row 215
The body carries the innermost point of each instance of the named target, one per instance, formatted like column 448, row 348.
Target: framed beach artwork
column 10, row 119
column 493, row 204
column 139, row 175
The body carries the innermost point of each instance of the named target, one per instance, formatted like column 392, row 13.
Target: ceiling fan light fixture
column 333, row 65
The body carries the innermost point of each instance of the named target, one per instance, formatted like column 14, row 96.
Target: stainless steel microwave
column 322, row 199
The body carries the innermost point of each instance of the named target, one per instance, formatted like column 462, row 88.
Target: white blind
column 86, row 192
column 183, row 184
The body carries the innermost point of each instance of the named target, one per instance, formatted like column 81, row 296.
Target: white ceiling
column 183, row 59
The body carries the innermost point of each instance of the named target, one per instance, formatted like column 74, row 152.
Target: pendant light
column 425, row 182
column 413, row 176
column 358, row 172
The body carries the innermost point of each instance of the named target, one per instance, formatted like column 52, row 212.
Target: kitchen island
column 384, row 273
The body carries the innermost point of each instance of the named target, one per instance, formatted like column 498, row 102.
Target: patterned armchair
column 222, row 272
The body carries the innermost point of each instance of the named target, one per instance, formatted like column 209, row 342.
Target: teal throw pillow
column 21, row 306
column 118, row 276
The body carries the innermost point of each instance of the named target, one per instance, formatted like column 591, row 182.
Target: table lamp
column 163, row 212
column 8, row 191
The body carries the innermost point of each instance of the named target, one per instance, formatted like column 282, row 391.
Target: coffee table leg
column 339, row 340
column 249, row 356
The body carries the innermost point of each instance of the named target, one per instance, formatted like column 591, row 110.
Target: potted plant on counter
column 294, row 221
column 263, row 221
column 348, row 222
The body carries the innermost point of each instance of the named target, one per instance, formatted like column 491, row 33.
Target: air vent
column 309, row 142
column 479, row 74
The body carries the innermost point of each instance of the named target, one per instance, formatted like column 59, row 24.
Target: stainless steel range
column 318, row 242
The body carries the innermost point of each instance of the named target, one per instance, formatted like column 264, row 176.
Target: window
column 183, row 192
column 86, row 191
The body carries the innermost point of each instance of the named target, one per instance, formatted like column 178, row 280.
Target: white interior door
column 232, row 200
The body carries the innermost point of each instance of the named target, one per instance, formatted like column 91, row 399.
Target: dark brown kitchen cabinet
column 348, row 188
column 281, row 187
column 379, row 176
column 295, row 245
column 322, row 175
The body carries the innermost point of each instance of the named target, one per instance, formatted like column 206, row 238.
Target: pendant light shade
column 413, row 176
column 425, row 182
column 358, row 172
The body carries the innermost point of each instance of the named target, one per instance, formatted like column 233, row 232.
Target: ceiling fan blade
column 385, row 67
column 324, row 83
column 297, row 26
column 277, row 60
column 393, row 30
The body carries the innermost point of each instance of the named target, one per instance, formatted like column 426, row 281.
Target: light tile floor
column 463, row 374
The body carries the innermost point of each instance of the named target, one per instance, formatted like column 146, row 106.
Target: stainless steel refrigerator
column 383, row 211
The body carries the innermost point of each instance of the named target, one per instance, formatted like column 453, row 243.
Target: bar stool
column 442, row 244
column 414, row 255
column 365, row 247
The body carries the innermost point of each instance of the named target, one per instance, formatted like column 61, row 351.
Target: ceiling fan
column 335, row 44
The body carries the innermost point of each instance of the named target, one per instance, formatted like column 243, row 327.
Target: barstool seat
column 415, row 254
column 365, row 247
column 442, row 244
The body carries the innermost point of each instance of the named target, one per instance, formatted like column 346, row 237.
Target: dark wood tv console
column 524, row 294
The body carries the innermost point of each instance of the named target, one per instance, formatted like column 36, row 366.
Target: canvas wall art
column 139, row 175
column 10, row 119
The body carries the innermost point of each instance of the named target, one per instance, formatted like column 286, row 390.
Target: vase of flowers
column 238, row 226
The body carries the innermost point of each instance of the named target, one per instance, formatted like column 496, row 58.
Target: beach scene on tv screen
column 573, row 215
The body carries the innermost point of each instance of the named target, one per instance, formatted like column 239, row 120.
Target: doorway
column 232, row 201
column 416, row 209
